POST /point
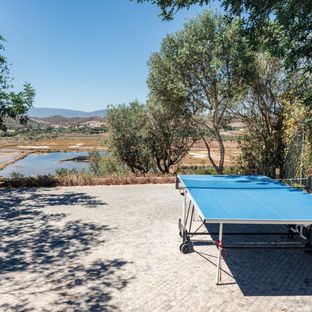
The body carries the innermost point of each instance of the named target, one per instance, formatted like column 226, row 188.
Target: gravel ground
column 115, row 248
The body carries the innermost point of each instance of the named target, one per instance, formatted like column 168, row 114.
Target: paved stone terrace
column 115, row 248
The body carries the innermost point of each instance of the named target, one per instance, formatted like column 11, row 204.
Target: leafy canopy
column 262, row 147
column 148, row 137
column 171, row 134
column 282, row 26
column 127, row 135
column 12, row 104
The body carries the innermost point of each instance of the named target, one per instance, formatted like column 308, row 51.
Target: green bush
column 63, row 172
column 16, row 176
column 147, row 138
column 103, row 166
column 127, row 136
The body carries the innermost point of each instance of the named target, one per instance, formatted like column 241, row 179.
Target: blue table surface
column 247, row 198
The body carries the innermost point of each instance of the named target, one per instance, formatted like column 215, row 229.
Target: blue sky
column 83, row 54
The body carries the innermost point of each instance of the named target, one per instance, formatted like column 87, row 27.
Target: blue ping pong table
column 242, row 200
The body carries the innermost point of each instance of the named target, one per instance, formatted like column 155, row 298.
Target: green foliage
column 16, row 176
column 95, row 162
column 201, row 71
column 19, row 180
column 110, row 166
column 281, row 26
column 262, row 146
column 63, row 172
column 12, row 104
column 103, row 166
column 169, row 7
column 278, row 127
column 297, row 137
column 281, row 29
column 128, row 137
column 147, row 137
column 170, row 134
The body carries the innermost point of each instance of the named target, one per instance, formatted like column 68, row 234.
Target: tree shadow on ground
column 264, row 272
column 44, row 255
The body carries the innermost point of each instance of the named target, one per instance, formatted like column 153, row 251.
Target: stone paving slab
column 115, row 248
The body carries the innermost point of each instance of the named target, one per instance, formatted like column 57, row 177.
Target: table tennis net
column 264, row 183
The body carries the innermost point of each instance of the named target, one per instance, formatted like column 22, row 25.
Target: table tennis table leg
column 184, row 210
column 219, row 246
column 182, row 220
column 187, row 216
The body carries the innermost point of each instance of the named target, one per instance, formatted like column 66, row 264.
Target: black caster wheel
column 308, row 251
column 185, row 248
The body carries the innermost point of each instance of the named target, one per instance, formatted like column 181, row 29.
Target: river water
column 47, row 163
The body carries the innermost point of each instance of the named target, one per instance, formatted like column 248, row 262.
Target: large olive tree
column 201, row 70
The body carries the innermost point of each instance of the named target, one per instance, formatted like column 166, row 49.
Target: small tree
column 170, row 135
column 12, row 104
column 149, row 137
column 128, row 137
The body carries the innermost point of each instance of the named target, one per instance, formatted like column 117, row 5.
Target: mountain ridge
column 43, row 112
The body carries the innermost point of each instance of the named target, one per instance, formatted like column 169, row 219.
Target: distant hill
column 43, row 112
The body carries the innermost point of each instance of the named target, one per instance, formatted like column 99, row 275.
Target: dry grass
column 62, row 142
column 90, row 142
column 80, row 179
column 198, row 154
column 135, row 180
column 70, row 142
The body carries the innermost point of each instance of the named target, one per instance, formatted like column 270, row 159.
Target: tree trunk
column 221, row 161
column 222, row 152
column 159, row 166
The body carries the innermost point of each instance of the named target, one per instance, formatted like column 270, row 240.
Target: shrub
column 127, row 136
column 147, row 138
column 171, row 134
column 103, row 166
